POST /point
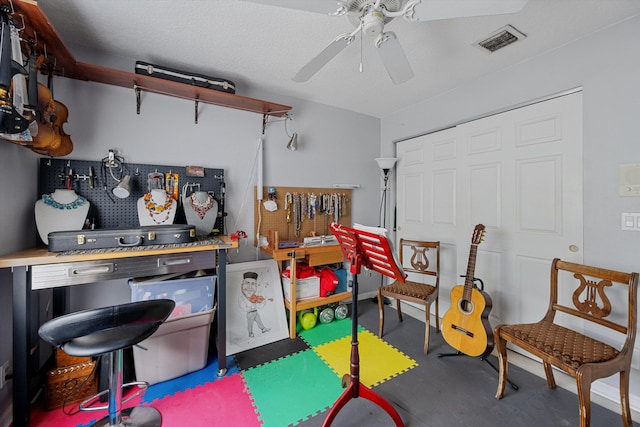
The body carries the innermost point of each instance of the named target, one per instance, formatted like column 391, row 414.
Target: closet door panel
column 520, row 174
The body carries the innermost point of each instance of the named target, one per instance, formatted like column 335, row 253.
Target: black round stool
column 110, row 330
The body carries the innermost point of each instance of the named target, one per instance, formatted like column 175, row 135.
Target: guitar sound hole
column 465, row 306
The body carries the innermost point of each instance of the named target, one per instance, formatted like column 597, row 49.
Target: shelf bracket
column 197, row 100
column 265, row 117
column 137, row 89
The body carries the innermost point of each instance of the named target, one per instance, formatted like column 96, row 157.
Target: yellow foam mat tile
column 379, row 361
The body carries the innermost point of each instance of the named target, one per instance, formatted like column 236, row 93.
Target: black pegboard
column 108, row 211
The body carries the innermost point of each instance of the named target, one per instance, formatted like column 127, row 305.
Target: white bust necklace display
column 201, row 211
column 62, row 210
column 156, row 208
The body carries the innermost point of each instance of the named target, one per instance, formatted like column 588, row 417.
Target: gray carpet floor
column 457, row 391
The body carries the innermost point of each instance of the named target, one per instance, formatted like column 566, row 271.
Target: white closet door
column 427, row 197
column 520, row 174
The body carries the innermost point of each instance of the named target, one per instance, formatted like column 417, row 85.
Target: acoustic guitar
column 465, row 326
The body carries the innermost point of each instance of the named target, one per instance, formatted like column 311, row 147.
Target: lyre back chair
column 421, row 261
column 582, row 293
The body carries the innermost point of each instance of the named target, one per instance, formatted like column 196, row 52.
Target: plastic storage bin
column 180, row 345
column 309, row 287
column 177, row 348
column 192, row 295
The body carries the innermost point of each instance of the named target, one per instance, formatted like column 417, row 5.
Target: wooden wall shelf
column 96, row 73
column 39, row 31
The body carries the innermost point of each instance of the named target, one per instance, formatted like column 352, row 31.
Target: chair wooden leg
column 501, row 348
column 624, row 399
column 399, row 309
column 381, row 311
column 583, row 378
column 437, row 317
column 548, row 371
column 427, row 326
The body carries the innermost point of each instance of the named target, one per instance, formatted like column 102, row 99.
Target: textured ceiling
column 261, row 47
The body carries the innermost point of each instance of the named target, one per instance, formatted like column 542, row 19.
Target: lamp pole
column 385, row 164
column 383, row 201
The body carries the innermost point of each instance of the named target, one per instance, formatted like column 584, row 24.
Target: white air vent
column 501, row 38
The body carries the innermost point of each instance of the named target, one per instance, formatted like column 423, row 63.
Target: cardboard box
column 177, row 348
column 309, row 287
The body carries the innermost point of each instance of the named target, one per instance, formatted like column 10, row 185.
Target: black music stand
column 371, row 250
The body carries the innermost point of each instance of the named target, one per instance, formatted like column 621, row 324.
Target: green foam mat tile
column 291, row 389
column 324, row 333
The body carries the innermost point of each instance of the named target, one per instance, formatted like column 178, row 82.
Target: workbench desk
column 35, row 269
column 314, row 256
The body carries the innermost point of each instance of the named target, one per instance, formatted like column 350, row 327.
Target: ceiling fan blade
column 393, row 58
column 319, row 6
column 320, row 60
column 430, row 10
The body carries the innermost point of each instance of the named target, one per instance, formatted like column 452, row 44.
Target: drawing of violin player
column 252, row 302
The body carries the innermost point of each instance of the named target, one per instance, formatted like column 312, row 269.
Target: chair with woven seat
column 419, row 259
column 109, row 330
column 600, row 303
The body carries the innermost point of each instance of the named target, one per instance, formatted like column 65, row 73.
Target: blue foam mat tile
column 207, row 374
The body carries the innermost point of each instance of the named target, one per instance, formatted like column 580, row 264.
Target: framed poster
column 255, row 307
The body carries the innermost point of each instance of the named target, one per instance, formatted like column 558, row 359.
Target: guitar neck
column 471, row 268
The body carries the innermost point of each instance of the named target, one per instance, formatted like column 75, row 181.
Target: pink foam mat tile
column 58, row 418
column 209, row 405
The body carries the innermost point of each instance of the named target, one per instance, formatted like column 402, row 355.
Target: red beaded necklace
column 201, row 208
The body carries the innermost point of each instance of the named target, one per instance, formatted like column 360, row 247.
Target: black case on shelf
column 199, row 80
column 148, row 235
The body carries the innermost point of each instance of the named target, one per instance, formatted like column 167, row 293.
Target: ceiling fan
column 370, row 16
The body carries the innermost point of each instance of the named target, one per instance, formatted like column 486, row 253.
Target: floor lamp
column 385, row 164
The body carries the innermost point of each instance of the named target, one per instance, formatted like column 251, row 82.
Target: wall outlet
column 4, row 370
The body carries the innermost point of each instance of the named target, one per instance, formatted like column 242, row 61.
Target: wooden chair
column 419, row 292
column 583, row 357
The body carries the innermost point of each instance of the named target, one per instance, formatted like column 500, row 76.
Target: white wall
column 607, row 66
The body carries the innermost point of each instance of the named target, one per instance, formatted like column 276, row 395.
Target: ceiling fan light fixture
column 373, row 23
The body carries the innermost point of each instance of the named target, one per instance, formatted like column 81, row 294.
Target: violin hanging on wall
column 51, row 115
column 29, row 116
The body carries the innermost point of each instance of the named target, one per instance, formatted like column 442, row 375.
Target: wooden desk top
column 316, row 255
column 42, row 256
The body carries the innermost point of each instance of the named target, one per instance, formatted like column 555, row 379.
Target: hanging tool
column 70, row 180
column 92, row 178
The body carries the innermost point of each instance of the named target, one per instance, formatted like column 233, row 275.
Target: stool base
column 138, row 416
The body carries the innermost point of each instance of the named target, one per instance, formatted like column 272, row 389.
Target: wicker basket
column 63, row 359
column 70, row 384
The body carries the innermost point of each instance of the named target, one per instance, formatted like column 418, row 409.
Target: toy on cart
column 310, row 317
column 336, row 310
